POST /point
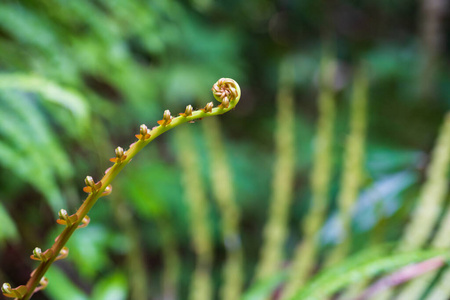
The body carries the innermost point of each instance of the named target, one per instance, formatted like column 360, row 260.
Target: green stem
column 227, row 85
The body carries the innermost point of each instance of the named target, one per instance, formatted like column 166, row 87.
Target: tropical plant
column 225, row 90
column 328, row 182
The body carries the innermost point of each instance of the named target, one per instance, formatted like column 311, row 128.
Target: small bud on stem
column 63, row 215
column 65, row 219
column 120, row 156
column 6, row 288
column 188, row 110
column 143, row 129
column 89, row 181
column 119, row 152
column 225, row 102
column 208, row 108
column 143, row 133
column 37, row 254
column 91, row 186
column 167, row 118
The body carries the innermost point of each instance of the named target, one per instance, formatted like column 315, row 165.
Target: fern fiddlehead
column 225, row 90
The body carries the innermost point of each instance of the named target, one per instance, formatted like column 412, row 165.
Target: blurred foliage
column 77, row 78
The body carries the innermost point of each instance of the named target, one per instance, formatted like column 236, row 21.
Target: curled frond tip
column 226, row 89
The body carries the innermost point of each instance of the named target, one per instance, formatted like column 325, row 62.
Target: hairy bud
column 188, row 110
column 167, row 118
column 208, row 108
column 37, row 253
column 143, row 130
column 89, row 181
column 119, row 152
column 226, row 88
column 6, row 288
column 63, row 215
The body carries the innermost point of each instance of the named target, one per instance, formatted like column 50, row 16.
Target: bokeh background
column 77, row 78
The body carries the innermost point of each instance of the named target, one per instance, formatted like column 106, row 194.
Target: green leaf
column 49, row 91
column 29, row 148
column 8, row 229
column 357, row 269
column 264, row 288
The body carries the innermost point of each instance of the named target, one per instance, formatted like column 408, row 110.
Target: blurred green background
column 77, row 78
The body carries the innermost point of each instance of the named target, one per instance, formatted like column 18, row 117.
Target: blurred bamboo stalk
column 275, row 230
column 201, row 287
column 353, row 167
column 223, row 189
column 430, row 202
column 432, row 16
column 306, row 254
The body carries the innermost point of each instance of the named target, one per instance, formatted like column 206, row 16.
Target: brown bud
column 119, row 152
column 208, row 108
column 225, row 102
column 188, row 110
column 167, row 116
column 143, row 130
column 143, row 133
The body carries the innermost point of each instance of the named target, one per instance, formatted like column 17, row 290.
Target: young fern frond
column 225, row 90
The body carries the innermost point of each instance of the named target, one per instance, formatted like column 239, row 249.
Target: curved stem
column 229, row 89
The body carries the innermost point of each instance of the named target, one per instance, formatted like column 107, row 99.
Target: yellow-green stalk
column 224, row 194
column 430, row 202
column 441, row 290
column 225, row 90
column 275, row 230
column 195, row 194
column 137, row 273
column 353, row 167
column 441, row 240
column 171, row 262
column 432, row 195
column 306, row 254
